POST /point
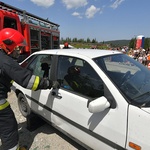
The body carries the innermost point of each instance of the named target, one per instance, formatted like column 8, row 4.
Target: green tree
column 88, row 40
column 132, row 43
column 81, row 40
column 94, row 41
column 68, row 39
column 74, row 40
column 147, row 43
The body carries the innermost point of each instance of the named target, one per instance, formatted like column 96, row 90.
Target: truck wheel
column 23, row 105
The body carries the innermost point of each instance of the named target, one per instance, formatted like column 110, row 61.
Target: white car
column 103, row 101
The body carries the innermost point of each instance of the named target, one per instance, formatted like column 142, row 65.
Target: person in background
column 66, row 45
column 148, row 58
column 123, row 51
column 144, row 62
column 140, row 58
column 11, row 43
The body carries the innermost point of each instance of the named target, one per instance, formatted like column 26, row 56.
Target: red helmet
column 10, row 38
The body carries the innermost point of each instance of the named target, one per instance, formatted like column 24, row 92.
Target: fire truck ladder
column 28, row 17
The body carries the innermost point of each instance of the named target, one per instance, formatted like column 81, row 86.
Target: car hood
column 146, row 109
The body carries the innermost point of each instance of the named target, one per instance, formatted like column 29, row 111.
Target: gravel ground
column 43, row 138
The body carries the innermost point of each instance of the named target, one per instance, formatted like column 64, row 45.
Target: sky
column 103, row 20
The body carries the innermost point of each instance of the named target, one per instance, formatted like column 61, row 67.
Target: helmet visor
column 23, row 43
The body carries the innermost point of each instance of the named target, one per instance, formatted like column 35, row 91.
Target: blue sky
column 102, row 20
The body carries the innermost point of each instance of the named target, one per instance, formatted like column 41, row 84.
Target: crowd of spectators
column 139, row 54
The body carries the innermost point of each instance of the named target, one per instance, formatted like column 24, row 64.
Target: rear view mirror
column 98, row 105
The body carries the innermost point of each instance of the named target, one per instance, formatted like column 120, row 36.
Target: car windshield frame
column 130, row 77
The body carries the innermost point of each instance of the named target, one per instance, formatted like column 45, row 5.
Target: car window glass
column 119, row 62
column 76, row 75
column 27, row 62
column 40, row 66
column 129, row 76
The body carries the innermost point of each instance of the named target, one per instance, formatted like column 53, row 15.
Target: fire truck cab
column 40, row 34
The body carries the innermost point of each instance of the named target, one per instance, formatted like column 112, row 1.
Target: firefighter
column 66, row 45
column 11, row 42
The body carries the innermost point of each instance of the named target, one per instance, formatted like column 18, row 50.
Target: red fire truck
column 39, row 33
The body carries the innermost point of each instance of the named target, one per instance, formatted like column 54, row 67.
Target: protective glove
column 48, row 84
column 56, row 85
column 45, row 84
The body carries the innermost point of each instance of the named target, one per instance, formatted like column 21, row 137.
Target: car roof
column 91, row 53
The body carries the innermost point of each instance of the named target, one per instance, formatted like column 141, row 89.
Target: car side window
column 78, row 76
column 26, row 63
column 40, row 66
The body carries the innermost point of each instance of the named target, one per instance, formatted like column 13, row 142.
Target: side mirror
column 98, row 105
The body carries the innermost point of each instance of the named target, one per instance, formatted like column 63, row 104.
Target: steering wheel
column 125, row 77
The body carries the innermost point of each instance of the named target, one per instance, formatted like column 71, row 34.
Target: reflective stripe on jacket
column 33, row 83
column 3, row 104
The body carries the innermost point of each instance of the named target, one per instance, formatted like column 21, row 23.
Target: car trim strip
column 95, row 135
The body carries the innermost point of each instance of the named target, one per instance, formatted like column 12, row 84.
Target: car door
column 80, row 84
column 40, row 100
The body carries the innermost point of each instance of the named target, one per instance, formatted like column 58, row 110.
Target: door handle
column 56, row 95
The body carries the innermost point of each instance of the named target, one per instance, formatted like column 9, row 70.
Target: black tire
column 23, row 105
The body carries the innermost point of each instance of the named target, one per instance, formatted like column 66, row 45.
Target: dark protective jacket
column 11, row 70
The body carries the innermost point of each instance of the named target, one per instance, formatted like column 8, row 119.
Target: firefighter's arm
column 26, row 79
